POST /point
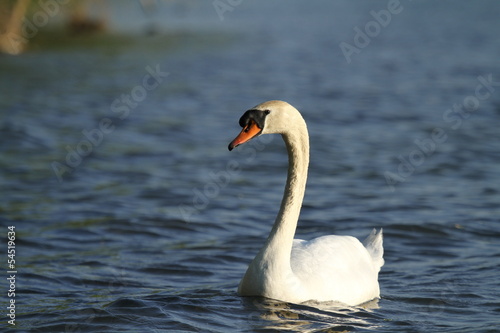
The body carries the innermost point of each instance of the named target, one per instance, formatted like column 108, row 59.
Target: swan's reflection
column 309, row 316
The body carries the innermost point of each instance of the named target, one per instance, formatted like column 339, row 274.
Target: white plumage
column 327, row 268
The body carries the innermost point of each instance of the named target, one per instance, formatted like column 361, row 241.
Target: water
column 152, row 230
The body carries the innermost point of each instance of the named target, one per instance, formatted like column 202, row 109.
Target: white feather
column 328, row 268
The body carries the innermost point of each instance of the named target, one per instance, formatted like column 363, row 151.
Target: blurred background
column 130, row 213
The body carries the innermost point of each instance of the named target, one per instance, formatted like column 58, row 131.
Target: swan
column 327, row 268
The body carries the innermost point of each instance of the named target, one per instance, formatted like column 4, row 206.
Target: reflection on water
column 308, row 317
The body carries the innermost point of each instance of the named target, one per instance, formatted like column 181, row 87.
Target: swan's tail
column 374, row 245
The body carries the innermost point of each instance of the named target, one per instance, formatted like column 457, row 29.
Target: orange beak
column 249, row 131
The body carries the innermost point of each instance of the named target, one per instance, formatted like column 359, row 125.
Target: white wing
column 338, row 267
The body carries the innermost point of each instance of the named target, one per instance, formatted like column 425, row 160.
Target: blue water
column 132, row 216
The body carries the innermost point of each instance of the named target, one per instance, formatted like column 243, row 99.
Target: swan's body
column 328, row 268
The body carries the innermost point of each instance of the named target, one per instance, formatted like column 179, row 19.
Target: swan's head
column 267, row 118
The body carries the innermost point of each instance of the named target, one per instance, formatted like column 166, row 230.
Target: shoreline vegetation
column 24, row 24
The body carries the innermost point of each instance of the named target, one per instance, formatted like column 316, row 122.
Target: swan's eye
column 267, row 111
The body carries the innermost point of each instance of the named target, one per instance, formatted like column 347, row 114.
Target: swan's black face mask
column 252, row 122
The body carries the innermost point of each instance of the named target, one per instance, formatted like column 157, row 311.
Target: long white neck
column 270, row 273
column 278, row 246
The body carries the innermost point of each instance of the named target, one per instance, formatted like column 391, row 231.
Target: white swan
column 328, row 268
